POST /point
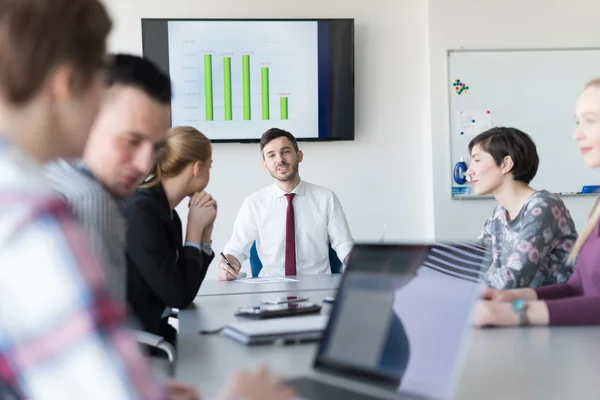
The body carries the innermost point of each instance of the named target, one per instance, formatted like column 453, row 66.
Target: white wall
column 491, row 24
column 384, row 176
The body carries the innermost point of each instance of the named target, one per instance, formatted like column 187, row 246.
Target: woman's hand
column 508, row 296
column 496, row 313
column 201, row 217
column 202, row 199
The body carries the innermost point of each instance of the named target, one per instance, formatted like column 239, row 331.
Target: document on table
column 267, row 279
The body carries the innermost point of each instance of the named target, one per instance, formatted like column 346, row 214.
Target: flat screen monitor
column 235, row 79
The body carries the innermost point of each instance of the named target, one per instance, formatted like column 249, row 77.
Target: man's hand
column 178, row 391
column 259, row 385
column 227, row 273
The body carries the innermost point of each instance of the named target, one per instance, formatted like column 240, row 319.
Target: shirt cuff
column 344, row 250
column 238, row 256
column 208, row 252
column 196, row 245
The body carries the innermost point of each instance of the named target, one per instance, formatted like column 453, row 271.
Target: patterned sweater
column 532, row 249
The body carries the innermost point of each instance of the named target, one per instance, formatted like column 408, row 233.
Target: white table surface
column 500, row 364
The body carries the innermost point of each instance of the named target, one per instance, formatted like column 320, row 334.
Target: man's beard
column 290, row 177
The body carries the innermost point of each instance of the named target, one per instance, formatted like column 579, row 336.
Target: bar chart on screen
column 232, row 79
column 247, row 86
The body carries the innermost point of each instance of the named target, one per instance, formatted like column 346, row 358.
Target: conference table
column 507, row 363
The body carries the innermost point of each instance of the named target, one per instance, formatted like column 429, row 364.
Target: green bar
column 246, row 82
column 227, row 88
column 284, row 107
column 265, row 93
column 208, row 88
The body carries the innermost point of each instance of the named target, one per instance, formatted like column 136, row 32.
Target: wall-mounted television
column 234, row 79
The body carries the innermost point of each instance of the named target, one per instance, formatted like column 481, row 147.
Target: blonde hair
column 595, row 214
column 184, row 145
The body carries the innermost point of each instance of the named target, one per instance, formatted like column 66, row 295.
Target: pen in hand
column 240, row 274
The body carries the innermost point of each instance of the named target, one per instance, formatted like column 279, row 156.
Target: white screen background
column 288, row 48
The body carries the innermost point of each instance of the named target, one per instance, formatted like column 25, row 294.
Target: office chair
column 157, row 342
column 256, row 264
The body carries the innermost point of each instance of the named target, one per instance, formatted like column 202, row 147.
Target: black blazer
column 161, row 272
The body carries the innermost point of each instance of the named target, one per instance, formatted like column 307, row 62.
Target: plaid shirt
column 61, row 336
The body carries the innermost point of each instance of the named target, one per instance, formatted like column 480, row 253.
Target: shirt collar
column 82, row 167
column 161, row 196
column 299, row 190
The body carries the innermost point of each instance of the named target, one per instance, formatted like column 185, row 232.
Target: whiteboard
column 532, row 90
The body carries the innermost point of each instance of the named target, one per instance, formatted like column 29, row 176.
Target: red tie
column 290, row 237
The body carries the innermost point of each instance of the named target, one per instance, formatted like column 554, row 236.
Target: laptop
column 399, row 324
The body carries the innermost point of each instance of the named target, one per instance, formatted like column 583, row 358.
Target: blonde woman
column 576, row 302
column 164, row 268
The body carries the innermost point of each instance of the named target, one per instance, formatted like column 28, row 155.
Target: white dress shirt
column 319, row 222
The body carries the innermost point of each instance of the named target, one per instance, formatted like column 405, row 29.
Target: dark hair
column 131, row 70
column 501, row 142
column 275, row 133
column 39, row 35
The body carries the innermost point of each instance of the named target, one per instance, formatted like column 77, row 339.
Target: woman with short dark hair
column 530, row 232
column 576, row 302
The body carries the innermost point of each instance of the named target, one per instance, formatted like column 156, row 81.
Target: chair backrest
column 334, row 261
column 256, row 264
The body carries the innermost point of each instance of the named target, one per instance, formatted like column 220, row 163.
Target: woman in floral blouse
column 530, row 232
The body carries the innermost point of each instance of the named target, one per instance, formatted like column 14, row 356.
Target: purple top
column 577, row 302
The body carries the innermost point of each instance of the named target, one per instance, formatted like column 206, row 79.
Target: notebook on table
column 301, row 328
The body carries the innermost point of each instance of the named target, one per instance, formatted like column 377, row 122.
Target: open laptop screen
column 401, row 314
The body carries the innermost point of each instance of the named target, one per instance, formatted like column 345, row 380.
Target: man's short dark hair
column 501, row 142
column 131, row 70
column 276, row 133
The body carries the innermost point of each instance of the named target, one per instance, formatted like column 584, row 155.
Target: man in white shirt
column 292, row 221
